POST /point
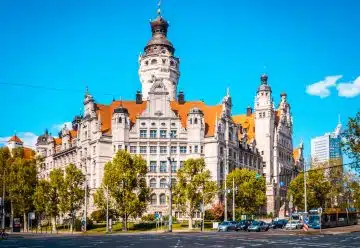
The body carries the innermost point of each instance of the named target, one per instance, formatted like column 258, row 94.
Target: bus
column 333, row 217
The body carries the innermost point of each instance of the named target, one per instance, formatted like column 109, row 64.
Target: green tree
column 73, row 192
column 194, row 185
column 250, row 194
column 22, row 181
column 4, row 161
column 318, row 189
column 125, row 177
column 56, row 181
column 351, row 140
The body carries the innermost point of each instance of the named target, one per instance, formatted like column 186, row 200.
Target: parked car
column 294, row 224
column 278, row 224
column 243, row 225
column 227, row 226
column 258, row 226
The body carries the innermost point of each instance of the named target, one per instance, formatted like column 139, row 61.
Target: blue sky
column 69, row 44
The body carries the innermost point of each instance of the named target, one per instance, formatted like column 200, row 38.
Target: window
column 182, row 149
column 94, row 149
column 152, row 183
column 221, row 151
column 142, row 133
column 190, row 120
column 94, row 183
column 153, row 133
column 173, row 166
column 162, row 199
column 262, row 152
column 190, row 149
column 132, row 149
column 119, row 147
column 173, row 149
column 153, row 199
column 173, row 133
column 163, row 166
column 153, row 62
column 195, row 121
column 181, row 164
column 201, row 149
column 143, row 149
column 163, row 183
column 152, row 167
column 196, row 149
column 120, row 120
column 162, row 134
column 163, row 149
column 173, row 182
column 153, row 149
column 114, row 148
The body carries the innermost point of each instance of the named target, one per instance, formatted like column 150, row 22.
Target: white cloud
column 57, row 127
column 349, row 89
column 321, row 88
column 28, row 138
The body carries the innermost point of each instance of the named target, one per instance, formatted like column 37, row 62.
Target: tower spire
column 159, row 8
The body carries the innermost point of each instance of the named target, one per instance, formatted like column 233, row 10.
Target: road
column 183, row 240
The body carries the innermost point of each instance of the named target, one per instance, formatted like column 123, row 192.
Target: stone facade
column 166, row 130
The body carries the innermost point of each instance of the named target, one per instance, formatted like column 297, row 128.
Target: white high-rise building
column 327, row 147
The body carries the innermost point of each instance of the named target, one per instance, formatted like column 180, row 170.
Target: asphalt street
column 180, row 240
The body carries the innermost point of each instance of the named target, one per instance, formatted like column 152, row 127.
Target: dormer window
column 120, row 120
column 154, row 61
column 195, row 121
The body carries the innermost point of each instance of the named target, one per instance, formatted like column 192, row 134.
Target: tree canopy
column 194, row 185
column 125, row 178
column 351, row 140
column 250, row 190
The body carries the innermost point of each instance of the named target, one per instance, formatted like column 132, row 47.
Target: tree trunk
column 124, row 224
column 71, row 224
column 25, row 222
column 53, row 223
column 11, row 215
column 190, row 222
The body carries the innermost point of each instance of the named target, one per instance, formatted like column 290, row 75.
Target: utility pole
column 86, row 189
column 233, row 199
column 225, row 192
column 3, row 203
column 305, row 194
column 170, row 181
column 107, row 208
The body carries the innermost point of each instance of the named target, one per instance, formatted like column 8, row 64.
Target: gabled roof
column 247, row 122
column 210, row 114
column 28, row 153
column 16, row 139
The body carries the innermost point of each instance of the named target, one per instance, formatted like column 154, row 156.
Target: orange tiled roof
column 210, row 114
column 73, row 133
column 106, row 112
column 16, row 139
column 247, row 122
column 58, row 141
column 296, row 154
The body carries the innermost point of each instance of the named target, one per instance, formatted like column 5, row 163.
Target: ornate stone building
column 166, row 130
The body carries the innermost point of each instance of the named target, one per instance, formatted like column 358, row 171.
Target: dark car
column 227, row 226
column 278, row 224
column 258, row 226
column 243, row 225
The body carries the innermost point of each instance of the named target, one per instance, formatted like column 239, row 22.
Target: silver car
column 294, row 224
column 227, row 226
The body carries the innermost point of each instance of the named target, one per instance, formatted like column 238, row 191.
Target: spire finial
column 339, row 120
column 86, row 90
column 228, row 91
column 159, row 8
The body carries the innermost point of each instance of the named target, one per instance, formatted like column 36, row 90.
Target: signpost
column 290, row 208
column 320, row 213
column 16, row 225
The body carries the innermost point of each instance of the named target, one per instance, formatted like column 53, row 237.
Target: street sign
column 257, row 176
column 32, row 216
column 157, row 216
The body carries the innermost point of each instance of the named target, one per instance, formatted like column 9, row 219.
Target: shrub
column 148, row 217
column 98, row 216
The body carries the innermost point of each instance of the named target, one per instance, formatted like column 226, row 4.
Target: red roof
column 16, row 139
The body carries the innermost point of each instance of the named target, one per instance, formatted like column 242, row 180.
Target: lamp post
column 107, row 208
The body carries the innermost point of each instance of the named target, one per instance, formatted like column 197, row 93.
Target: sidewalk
column 327, row 231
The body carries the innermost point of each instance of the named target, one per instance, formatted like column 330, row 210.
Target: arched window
column 195, row 121
column 120, row 120
column 162, row 199
column 163, row 183
column 153, row 199
column 153, row 61
column 152, row 183
column 172, row 63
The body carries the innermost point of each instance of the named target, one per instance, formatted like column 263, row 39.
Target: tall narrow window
column 142, row 133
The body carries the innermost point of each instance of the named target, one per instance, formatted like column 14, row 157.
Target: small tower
column 195, row 128
column 89, row 105
column 120, row 128
column 264, row 124
column 158, row 60
column 14, row 142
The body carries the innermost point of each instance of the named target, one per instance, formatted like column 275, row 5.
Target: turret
column 195, row 128
column 89, row 105
column 120, row 128
column 14, row 142
column 158, row 60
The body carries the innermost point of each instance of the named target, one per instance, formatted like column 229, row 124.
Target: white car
column 293, row 224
